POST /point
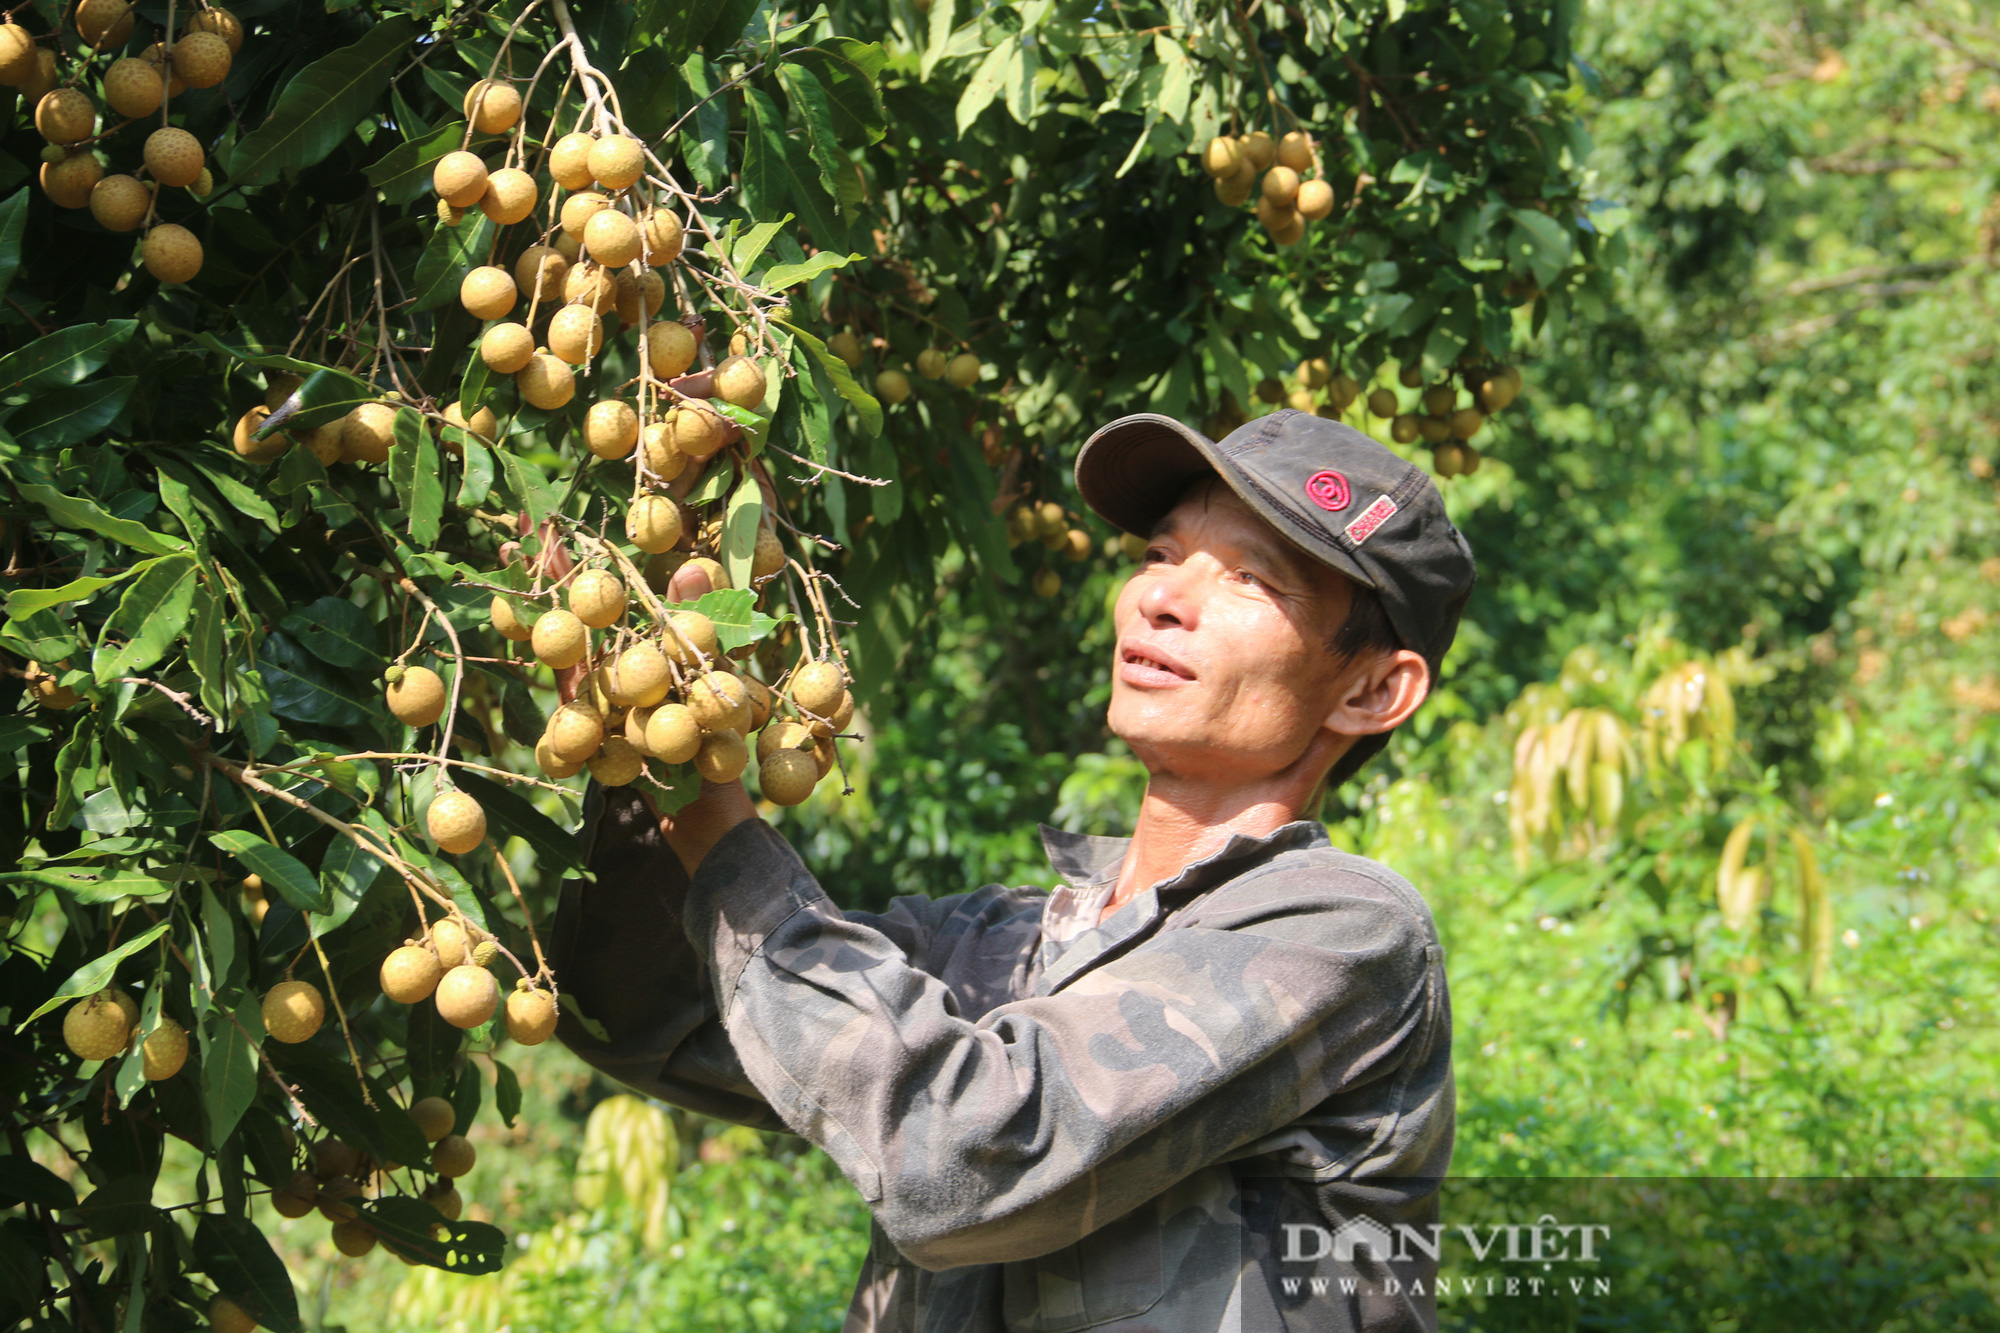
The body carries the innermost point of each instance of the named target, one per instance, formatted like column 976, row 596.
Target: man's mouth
column 1148, row 666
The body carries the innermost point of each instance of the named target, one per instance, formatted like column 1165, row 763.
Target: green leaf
column 506, row 1095
column 937, row 36
column 852, row 97
column 415, row 1230
column 280, row 869
column 24, row 1180
column 95, row 975
column 337, row 631
column 750, row 248
column 326, row 395
column 322, row 104
column 809, row 104
column 739, row 529
column 234, row 1255
column 1542, row 242
column 65, row 356
column 677, row 25
column 23, row 602
column 737, row 619
column 78, row 512
column 780, row 276
column 89, row 887
column 69, row 415
column 13, row 219
column 430, row 1044
column 447, row 255
column 117, row 1209
column 476, row 482
column 304, row 690
column 766, row 179
column 206, row 651
column 229, row 1068
column 150, row 616
column 404, row 172
column 864, row 403
column 987, row 81
column 815, row 204
column 413, row 471
column 704, row 136
column 329, row 1089
column 478, row 387
column 530, row 488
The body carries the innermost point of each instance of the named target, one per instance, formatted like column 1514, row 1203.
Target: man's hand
column 696, row 827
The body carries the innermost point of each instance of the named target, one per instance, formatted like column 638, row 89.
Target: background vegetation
column 1740, row 532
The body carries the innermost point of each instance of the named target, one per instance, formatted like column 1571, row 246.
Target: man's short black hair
column 1365, row 632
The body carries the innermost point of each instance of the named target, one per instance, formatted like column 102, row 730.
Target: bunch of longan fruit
column 1049, row 524
column 658, row 686
column 1287, row 197
column 132, row 87
column 1442, row 418
column 341, row 1175
column 892, row 383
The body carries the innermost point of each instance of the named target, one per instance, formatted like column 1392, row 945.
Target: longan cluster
column 1287, row 196
column 1049, row 524
column 338, row 1177
column 892, row 383
column 133, row 87
column 1444, row 418
column 449, row 966
column 101, row 1027
column 658, row 687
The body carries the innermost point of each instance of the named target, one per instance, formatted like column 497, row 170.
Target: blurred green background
column 1706, row 805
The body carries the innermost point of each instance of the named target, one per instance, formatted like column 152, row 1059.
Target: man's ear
column 1380, row 694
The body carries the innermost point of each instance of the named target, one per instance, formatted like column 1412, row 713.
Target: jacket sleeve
column 639, row 1004
column 1049, row 1117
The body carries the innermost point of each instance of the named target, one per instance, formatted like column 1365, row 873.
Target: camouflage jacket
column 1057, row 1124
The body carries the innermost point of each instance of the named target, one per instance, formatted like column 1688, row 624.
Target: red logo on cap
column 1329, row 491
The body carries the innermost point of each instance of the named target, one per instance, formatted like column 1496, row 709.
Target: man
column 1151, row 1098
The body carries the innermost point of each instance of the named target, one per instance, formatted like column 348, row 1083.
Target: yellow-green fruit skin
column 293, row 1011
column 96, row 1027
column 434, row 1116
column 531, row 1017
column 456, row 822
column 410, row 973
column 787, row 777
column 467, row 996
column 165, row 1051
column 452, row 1156
column 417, row 698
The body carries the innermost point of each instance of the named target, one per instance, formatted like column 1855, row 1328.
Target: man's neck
column 1181, row 821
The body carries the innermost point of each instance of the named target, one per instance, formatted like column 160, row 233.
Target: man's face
column 1222, row 668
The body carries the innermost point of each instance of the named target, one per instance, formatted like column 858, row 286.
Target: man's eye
column 1154, row 555
column 1249, row 577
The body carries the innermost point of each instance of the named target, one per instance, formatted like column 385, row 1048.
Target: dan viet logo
column 1542, row 1245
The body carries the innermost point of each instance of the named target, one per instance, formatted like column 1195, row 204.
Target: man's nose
column 1171, row 597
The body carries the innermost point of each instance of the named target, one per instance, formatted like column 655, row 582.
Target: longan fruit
column 664, row 460
column 539, row 273
column 1232, row 191
column 546, row 382
column 847, row 347
column 353, row 1238
column 1448, row 459
column 1465, row 422
column 487, row 292
column 1259, row 148
column 670, row 348
column 1439, row 399
column 493, row 106
column 783, row 735
column 569, row 161
column 698, row 431
column 1403, row 429
column 483, row 424
column 457, row 823
column 1411, row 376
column 65, row 115
column 719, row 702
column 589, row 283
column 1220, row 157
column 452, row 1156
column 597, row 598
column 761, row 701
column 297, row 1197
column 723, row 756
column 367, row 432
column 963, row 370
column 892, row 386
column 617, row 162
column 553, row 766
column 434, row 1116
column 459, row 178
column 71, row 182
column 510, row 196
column 410, row 973
column 559, row 640
column 673, row 735
column 740, row 381
column 579, row 209
column 768, row 557
column 173, row 156
column 1295, row 150
column 448, row 940
column 41, row 79
column 664, row 235
column 611, row 238
column 611, row 428
column 639, row 677
column 133, row 88
column 817, row 687
column 1383, row 402
column 119, row 203
column 617, row 763
column 500, row 612
column 1433, row 430
column 576, row 334
column 17, row 54
column 333, row 1158
column 466, row 997
column 1281, row 186
column 334, row 1195
column 417, row 697
column 574, row 732
column 507, row 348
column 1315, row 200
column 653, row 523
column 226, row 1316
column 156, row 56
column 242, row 438
column 440, row 1195
column 293, row 1011
column 718, row 577
column 531, row 1016
column 787, row 777
column 637, row 296
column 219, row 21
column 201, row 59
column 691, row 638
column 930, row 363
column 96, row 1027
column 48, row 693
column 171, row 253
column 1047, row 582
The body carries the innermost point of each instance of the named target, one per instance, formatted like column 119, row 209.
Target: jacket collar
column 1083, row 859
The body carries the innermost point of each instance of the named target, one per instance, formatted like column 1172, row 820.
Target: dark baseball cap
column 1332, row 492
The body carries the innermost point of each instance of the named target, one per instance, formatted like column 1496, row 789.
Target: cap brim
column 1134, row 470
